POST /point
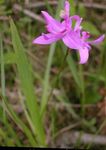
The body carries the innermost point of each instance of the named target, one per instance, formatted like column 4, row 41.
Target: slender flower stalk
column 59, row 73
column 73, row 37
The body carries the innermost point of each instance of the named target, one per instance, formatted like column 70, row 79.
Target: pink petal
column 72, row 40
column 53, row 28
column 78, row 22
column 53, row 25
column 66, row 12
column 67, row 8
column 99, row 40
column 84, row 54
column 47, row 38
column 85, row 35
column 67, row 23
column 47, row 17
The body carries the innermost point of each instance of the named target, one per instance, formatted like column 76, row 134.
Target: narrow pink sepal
column 97, row 41
column 46, row 39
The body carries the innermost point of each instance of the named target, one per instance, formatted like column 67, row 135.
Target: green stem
column 57, row 77
column 82, row 90
column 44, row 98
column 59, row 73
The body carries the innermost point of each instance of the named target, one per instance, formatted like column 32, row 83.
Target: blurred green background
column 36, row 108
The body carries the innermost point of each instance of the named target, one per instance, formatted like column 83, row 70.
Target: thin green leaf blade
column 26, row 81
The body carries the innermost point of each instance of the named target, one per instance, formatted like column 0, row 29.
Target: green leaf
column 102, row 67
column 72, row 10
column 26, row 81
column 19, row 123
column 82, row 10
column 90, row 27
column 9, row 58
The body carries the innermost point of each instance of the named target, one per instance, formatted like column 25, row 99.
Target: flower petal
column 78, row 22
column 84, row 54
column 53, row 25
column 47, row 17
column 47, row 38
column 85, row 35
column 99, row 40
column 66, row 12
column 53, row 28
column 72, row 40
column 67, row 8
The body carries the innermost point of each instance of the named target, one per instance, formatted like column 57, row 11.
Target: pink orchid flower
column 73, row 38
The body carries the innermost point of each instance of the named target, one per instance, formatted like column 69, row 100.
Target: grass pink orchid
column 74, row 38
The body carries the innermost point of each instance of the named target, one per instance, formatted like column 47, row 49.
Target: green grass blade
column 2, row 77
column 102, row 67
column 10, row 58
column 72, row 10
column 82, row 89
column 46, row 79
column 88, row 25
column 4, row 139
column 13, row 134
column 2, row 69
column 8, row 130
column 48, row 7
column 19, row 123
column 25, row 75
column 27, row 115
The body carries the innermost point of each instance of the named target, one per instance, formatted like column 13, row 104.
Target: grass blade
column 20, row 123
column 2, row 78
column 25, row 75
